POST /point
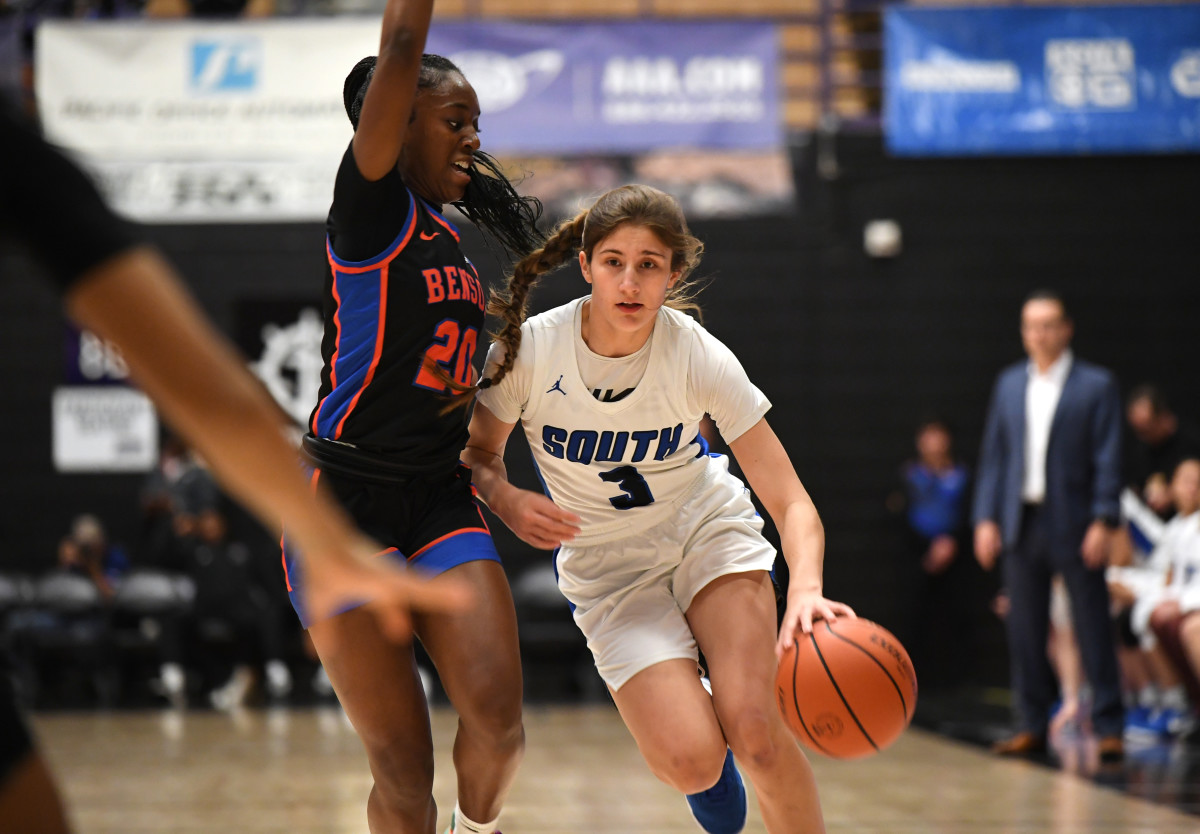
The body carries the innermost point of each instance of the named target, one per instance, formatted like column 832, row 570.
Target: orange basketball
column 848, row 689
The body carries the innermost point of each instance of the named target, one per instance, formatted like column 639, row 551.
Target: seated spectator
column 232, row 601
column 1160, row 441
column 173, row 495
column 933, row 504
column 1172, row 610
column 87, row 551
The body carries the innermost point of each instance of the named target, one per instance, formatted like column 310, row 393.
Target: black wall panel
column 850, row 350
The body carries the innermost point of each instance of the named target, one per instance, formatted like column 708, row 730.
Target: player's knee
column 690, row 770
column 752, row 738
column 403, row 776
column 496, row 718
column 1161, row 621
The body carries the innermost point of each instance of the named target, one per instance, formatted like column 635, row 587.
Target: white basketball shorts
column 630, row 595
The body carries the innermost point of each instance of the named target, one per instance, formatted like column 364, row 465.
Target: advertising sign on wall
column 1078, row 79
column 103, row 429
column 193, row 121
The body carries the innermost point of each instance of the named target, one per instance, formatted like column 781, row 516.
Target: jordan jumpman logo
column 557, row 386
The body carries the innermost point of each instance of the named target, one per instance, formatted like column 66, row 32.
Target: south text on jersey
column 587, row 445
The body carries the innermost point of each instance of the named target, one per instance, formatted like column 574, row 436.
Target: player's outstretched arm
column 388, row 105
column 205, row 391
column 532, row 516
column 773, row 478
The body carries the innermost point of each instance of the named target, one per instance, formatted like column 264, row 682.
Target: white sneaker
column 234, row 692
column 171, row 684
column 279, row 679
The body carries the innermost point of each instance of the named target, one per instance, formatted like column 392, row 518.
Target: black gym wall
column 851, row 350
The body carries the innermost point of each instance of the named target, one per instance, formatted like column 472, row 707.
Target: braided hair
column 490, row 201
column 635, row 205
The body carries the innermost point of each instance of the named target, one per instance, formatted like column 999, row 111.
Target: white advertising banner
column 190, row 91
column 103, row 429
column 277, row 191
column 191, row 122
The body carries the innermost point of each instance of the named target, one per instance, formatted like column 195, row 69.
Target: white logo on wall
column 704, row 88
column 290, row 364
column 1185, row 74
column 184, row 192
column 1095, row 74
column 227, row 65
column 501, row 80
column 954, row 75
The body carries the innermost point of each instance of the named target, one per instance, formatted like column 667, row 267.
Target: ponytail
column 511, row 304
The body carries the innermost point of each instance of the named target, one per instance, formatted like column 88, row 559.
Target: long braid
column 511, row 305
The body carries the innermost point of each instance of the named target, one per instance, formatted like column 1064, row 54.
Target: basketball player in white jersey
column 660, row 550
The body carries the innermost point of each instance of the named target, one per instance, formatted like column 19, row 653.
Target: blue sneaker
column 722, row 808
column 1142, row 723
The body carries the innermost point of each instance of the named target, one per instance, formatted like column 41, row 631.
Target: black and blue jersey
column 389, row 318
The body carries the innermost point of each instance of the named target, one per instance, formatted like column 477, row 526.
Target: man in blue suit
column 1046, row 497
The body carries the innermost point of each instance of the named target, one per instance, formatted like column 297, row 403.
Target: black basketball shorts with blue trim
column 431, row 523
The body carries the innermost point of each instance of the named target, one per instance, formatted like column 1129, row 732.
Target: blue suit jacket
column 1083, row 477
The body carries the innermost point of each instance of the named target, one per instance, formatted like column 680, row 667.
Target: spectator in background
column 933, row 501
column 1047, row 498
column 232, row 599
column 87, row 551
column 1160, row 441
column 173, row 496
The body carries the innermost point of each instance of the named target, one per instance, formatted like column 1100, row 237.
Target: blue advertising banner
column 1096, row 79
column 620, row 87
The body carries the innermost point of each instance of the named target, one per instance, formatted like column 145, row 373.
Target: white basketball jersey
column 622, row 466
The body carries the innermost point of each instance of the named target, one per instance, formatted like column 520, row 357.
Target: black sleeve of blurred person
column 50, row 205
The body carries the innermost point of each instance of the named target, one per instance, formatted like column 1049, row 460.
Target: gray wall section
column 850, row 350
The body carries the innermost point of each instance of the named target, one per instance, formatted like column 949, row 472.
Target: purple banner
column 619, row 87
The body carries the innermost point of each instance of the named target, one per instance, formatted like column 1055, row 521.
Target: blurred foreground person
column 122, row 289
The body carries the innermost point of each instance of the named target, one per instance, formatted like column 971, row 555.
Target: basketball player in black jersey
column 122, row 289
column 404, row 315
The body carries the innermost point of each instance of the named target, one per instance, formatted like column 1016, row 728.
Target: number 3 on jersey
column 453, row 349
column 637, row 491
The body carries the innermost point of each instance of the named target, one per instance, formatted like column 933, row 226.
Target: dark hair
column 1049, row 295
column 1151, row 394
column 490, row 200
column 637, row 205
column 934, row 421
